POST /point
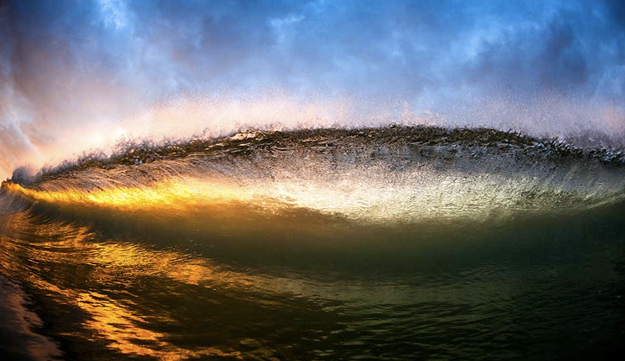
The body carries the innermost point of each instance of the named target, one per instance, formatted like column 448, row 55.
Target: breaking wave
column 317, row 244
column 383, row 175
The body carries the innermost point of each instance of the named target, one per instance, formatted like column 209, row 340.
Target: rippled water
column 371, row 244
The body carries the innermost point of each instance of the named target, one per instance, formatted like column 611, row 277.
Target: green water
column 548, row 288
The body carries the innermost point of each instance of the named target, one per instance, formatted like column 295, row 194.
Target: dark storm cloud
column 67, row 63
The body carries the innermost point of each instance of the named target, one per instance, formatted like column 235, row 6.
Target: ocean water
column 399, row 243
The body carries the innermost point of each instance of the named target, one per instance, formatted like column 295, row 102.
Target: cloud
column 80, row 67
column 114, row 13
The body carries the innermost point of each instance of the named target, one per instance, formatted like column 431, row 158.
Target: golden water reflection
column 67, row 264
column 170, row 194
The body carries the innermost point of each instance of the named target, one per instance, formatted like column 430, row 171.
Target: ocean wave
column 341, row 230
column 395, row 174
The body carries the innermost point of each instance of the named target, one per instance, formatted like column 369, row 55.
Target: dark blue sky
column 550, row 66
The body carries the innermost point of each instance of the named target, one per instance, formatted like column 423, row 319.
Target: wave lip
column 396, row 174
column 432, row 140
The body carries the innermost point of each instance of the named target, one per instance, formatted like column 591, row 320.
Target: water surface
column 395, row 243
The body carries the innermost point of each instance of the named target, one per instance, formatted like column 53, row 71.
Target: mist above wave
column 181, row 119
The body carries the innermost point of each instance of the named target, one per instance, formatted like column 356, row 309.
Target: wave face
column 399, row 174
column 397, row 243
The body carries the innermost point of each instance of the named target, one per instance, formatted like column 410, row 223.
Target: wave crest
column 395, row 174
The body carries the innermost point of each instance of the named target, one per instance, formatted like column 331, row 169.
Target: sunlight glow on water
column 318, row 245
